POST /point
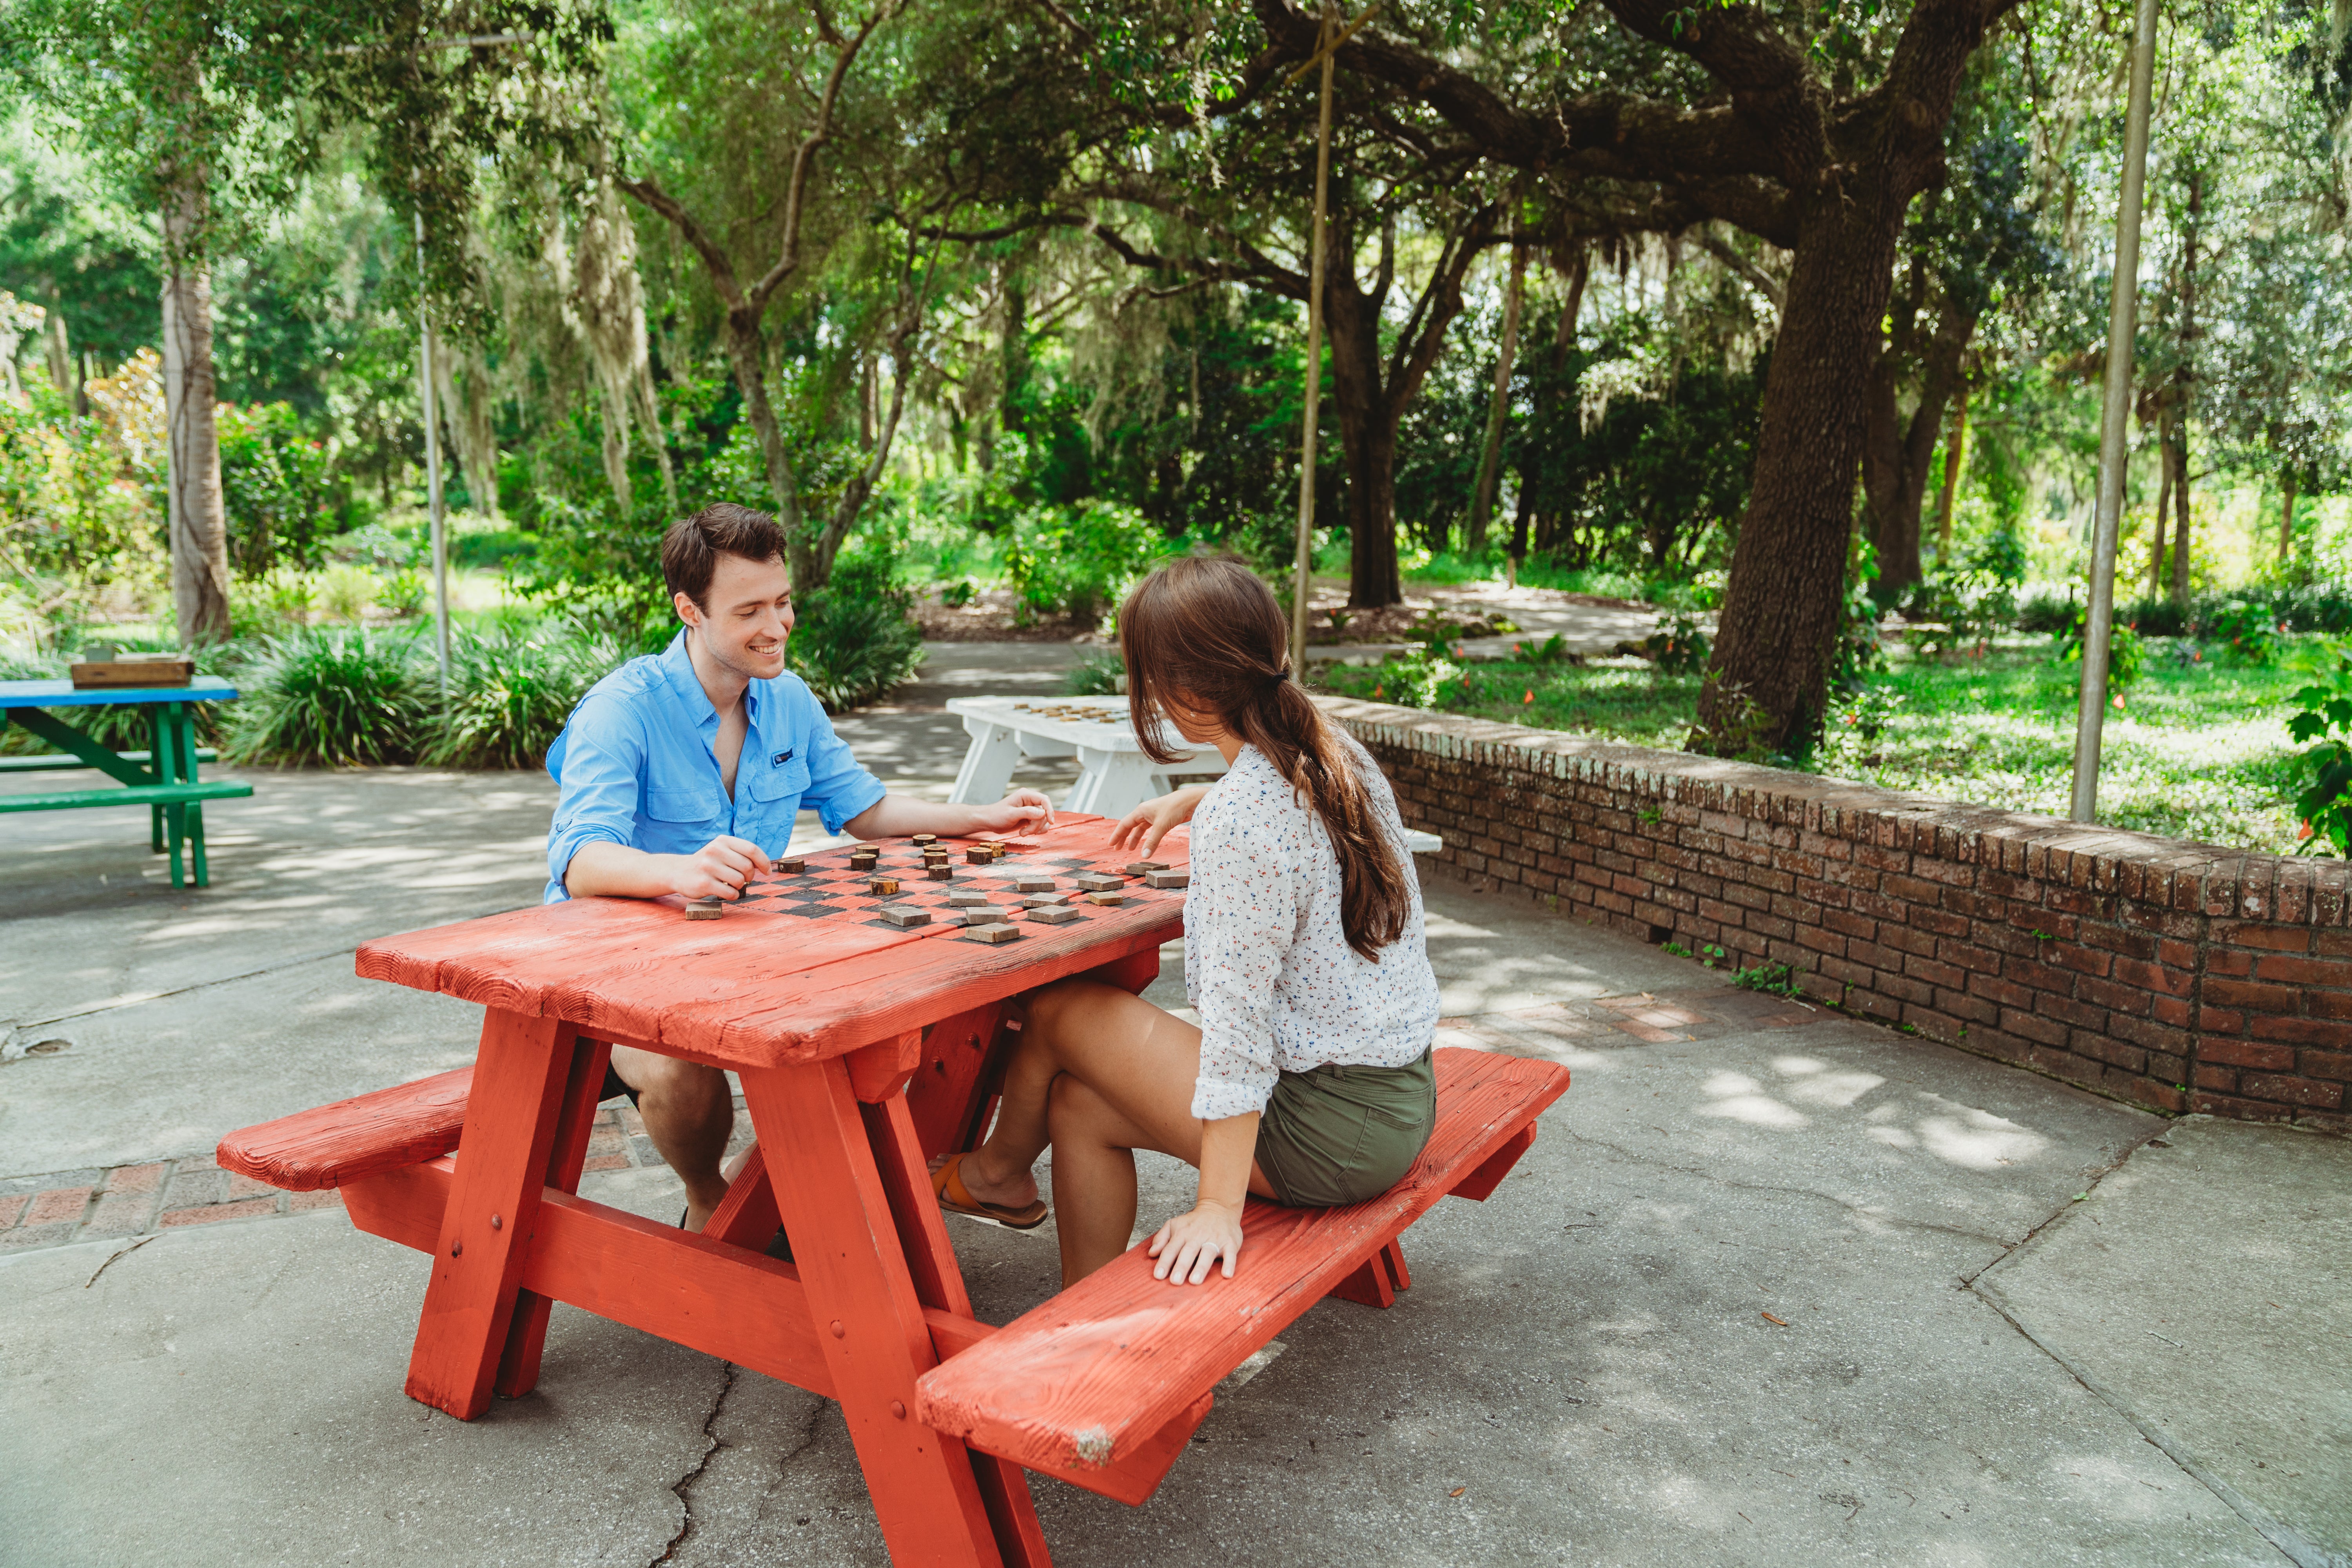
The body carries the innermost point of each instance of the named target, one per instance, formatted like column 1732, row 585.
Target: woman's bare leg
column 1100, row 1073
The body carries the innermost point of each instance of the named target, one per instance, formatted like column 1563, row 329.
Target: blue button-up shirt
column 636, row 765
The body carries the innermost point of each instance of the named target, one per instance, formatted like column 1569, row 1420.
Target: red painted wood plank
column 527, row 1334
column 1133, row 1479
column 1393, row 1255
column 1086, row 1377
column 687, row 1289
column 355, row 1138
column 870, row 1322
column 945, row 1097
column 1370, row 1285
column 520, row 1075
column 1480, row 1183
column 747, row 1215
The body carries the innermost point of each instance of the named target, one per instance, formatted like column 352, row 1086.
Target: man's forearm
column 897, row 816
column 617, row 870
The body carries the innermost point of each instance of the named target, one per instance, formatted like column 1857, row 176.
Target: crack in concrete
column 1831, row 1198
column 684, row 1486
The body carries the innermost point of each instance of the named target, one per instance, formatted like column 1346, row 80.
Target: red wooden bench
column 1101, row 1386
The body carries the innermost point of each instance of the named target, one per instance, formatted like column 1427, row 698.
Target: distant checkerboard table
column 1114, row 775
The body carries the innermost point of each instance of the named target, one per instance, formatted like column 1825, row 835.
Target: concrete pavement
column 1772, row 1286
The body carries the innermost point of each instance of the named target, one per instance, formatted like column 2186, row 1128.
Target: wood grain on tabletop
column 755, row 990
column 1104, row 1365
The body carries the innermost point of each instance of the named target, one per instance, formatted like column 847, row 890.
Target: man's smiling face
column 749, row 617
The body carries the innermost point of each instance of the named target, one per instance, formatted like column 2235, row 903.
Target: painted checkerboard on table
column 1017, row 886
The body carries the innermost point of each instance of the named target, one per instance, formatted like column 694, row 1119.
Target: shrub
column 1077, row 560
column 855, row 638
column 2325, row 806
column 345, row 593
column 2048, row 612
column 2127, row 652
column 512, row 692
column 1096, row 674
column 2250, row 627
column 2156, row 617
column 345, row 699
column 1679, row 646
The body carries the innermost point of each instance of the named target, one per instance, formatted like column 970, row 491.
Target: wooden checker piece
column 1105, row 901
column 978, row 855
column 991, row 933
column 1030, row 882
column 1167, row 878
column 941, row 872
column 1044, row 900
column 863, row 859
column 964, row 899
column 1054, row 915
column 927, row 838
column 793, row 868
column 1096, row 882
column 981, row 915
column 882, row 887
column 1145, row 867
column 704, row 910
column 904, row 915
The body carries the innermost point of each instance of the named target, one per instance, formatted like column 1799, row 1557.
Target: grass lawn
column 2200, row 750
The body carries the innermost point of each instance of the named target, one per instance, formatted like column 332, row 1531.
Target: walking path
column 1772, row 1286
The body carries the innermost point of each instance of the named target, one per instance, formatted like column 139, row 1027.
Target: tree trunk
column 1766, row 685
column 198, row 521
column 1896, row 453
column 465, row 415
column 2184, row 382
column 1534, row 458
column 1956, row 457
column 2286, row 520
column 2163, row 499
column 1498, row 408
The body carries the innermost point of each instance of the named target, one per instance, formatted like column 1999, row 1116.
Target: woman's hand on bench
column 1191, row 1244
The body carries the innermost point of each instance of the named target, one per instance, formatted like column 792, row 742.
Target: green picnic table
column 162, row 778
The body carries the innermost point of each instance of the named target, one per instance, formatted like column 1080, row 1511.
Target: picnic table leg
column 520, row 1077
column 938, row 1282
column 166, row 759
column 867, row 1316
column 527, row 1335
column 988, row 763
column 183, row 742
column 154, row 766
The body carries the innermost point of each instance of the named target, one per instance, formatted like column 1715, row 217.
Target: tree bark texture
column 2286, row 520
column 2185, row 386
column 198, row 519
column 1897, row 453
column 2163, row 499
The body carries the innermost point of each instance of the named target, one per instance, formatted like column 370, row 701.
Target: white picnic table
column 1114, row 775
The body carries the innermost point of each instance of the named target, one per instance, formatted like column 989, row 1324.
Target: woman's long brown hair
column 1205, row 632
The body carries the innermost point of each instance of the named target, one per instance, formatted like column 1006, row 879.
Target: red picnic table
column 865, row 1049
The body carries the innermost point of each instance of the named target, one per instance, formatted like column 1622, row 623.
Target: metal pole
column 433, row 468
column 2114, row 451
column 1303, row 579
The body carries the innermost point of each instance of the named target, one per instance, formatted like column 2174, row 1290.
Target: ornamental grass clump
column 512, row 692
column 341, row 698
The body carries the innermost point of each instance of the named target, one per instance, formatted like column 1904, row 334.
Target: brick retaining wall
column 2174, row 975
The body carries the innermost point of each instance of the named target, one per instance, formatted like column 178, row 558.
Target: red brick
column 2017, row 1021
column 2251, row 934
column 2220, row 1078
column 2325, row 1032
column 2292, row 970
column 2238, row 1109
column 324, row 1198
column 122, row 1214
column 2327, row 1064
column 2246, row 1054
column 56, row 1205
column 2252, row 999
column 134, row 1179
column 2306, row 1091
column 11, row 1210
column 246, row 1209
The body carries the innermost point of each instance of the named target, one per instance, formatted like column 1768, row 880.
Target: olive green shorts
column 1341, row 1134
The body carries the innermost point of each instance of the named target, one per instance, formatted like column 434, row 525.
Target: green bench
column 162, row 778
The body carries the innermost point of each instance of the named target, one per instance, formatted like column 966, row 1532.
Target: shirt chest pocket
column 684, row 801
column 768, row 798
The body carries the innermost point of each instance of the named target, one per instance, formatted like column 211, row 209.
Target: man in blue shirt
column 683, row 772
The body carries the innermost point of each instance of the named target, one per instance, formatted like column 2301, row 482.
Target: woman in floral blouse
column 1308, row 1079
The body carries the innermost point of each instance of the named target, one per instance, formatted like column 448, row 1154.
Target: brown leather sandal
column 946, row 1183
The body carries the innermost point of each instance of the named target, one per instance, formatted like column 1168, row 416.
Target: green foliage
column 2324, row 808
column 1679, row 646
column 274, row 489
column 1096, row 675
column 341, row 699
column 2127, row 651
column 2251, row 628
column 1080, row 560
column 1779, row 979
column 855, row 637
column 512, row 692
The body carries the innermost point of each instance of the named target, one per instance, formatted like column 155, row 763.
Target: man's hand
column 1015, row 811
column 718, row 870
column 1143, row 829
column 1191, row 1244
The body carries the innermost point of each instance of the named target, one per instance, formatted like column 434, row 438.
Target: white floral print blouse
column 1266, row 963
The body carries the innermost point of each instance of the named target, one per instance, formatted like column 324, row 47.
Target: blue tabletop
column 63, row 694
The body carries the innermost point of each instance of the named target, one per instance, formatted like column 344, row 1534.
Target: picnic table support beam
column 527, row 1335
column 870, row 1319
column 524, row 1069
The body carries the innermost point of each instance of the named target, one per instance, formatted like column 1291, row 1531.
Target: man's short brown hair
column 691, row 548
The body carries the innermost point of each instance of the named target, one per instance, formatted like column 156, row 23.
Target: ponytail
column 1206, row 631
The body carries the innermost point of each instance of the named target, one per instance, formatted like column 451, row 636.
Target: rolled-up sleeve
column 1241, row 917
column 603, row 762
column 838, row 788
